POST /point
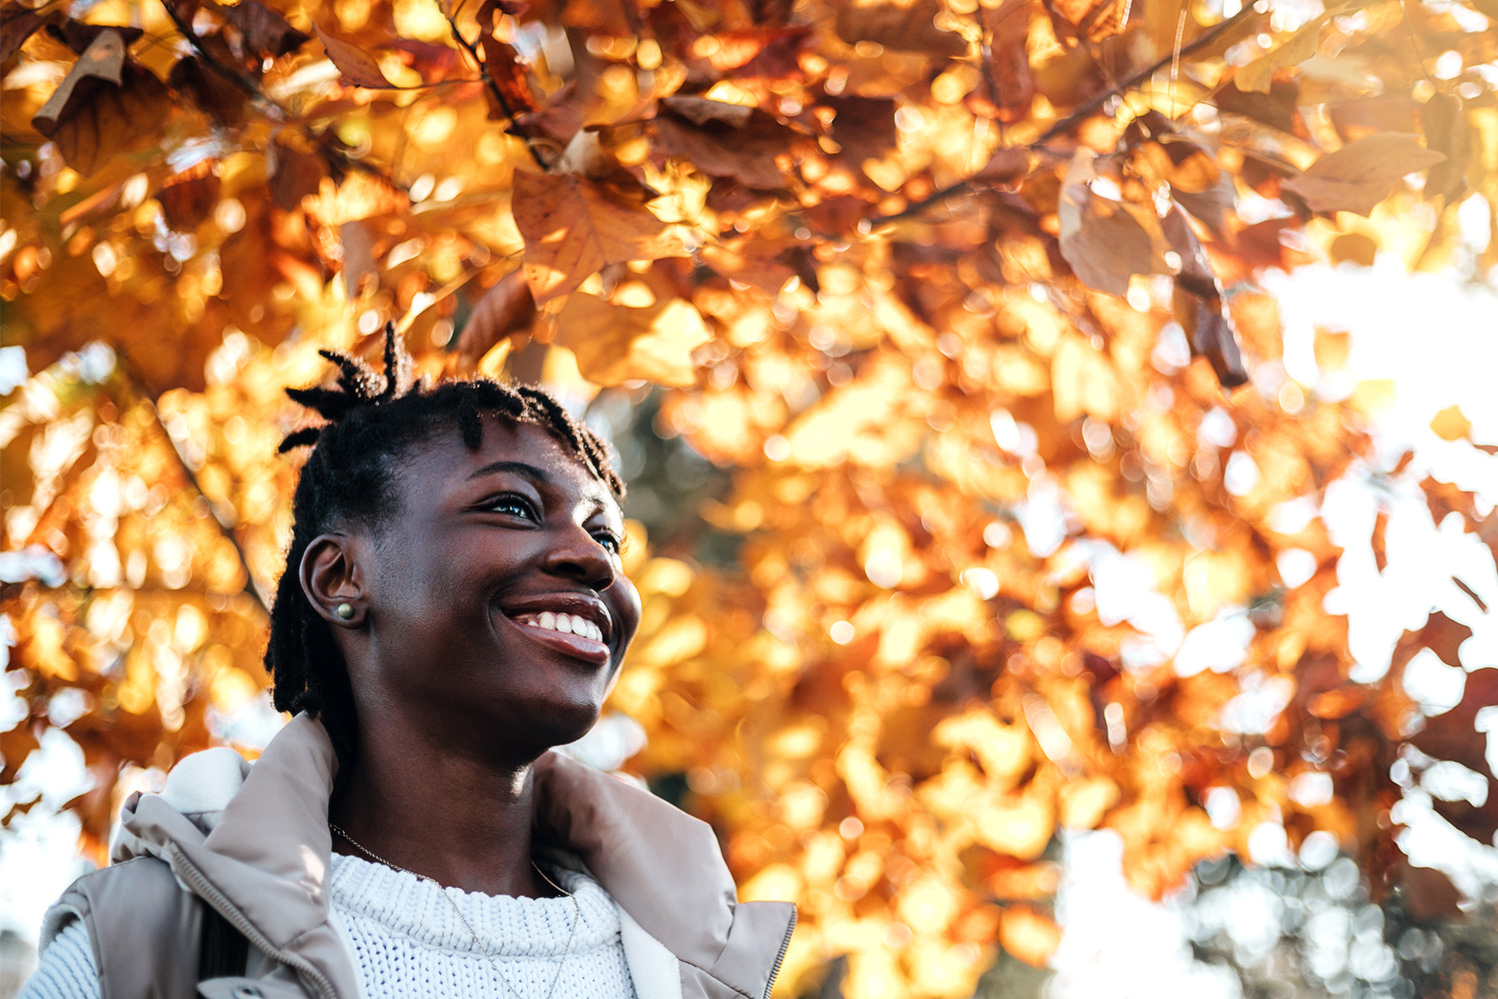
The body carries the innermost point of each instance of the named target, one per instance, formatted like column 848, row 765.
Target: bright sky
column 1437, row 338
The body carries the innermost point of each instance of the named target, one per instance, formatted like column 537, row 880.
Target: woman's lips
column 576, row 646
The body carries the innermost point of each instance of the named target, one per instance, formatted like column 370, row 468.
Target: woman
column 452, row 608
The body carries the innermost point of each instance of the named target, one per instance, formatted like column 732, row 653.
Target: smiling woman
column 452, row 608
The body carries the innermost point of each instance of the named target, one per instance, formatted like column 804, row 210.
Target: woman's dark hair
column 348, row 480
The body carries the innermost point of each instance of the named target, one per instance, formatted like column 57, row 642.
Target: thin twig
column 137, row 387
column 1082, row 112
column 498, row 94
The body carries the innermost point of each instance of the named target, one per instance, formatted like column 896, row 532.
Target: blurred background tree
column 975, row 504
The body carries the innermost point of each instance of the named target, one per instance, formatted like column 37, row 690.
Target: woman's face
column 496, row 608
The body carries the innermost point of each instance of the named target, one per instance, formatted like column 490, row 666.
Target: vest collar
column 267, row 855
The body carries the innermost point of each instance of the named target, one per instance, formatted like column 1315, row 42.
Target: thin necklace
column 576, row 910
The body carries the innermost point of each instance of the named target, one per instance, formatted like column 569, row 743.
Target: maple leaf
column 572, row 230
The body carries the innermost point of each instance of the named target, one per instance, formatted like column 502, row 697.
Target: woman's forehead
column 506, row 447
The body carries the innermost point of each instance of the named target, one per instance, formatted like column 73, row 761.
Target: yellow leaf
column 1450, row 425
column 615, row 343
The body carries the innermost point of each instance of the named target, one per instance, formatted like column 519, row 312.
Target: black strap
column 225, row 952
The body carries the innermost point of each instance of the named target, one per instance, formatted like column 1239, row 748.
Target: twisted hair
column 348, row 479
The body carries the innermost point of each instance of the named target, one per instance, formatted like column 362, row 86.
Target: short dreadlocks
column 348, row 480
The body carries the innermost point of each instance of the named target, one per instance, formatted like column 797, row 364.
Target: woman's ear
column 331, row 579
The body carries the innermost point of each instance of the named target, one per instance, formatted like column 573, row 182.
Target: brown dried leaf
column 1428, row 894
column 908, row 26
column 724, row 140
column 1197, row 301
column 1358, row 176
column 1102, row 240
column 17, row 23
column 264, row 30
column 102, row 60
column 211, row 92
column 1447, row 132
column 504, row 309
column 357, row 67
column 509, row 76
column 189, row 197
column 1006, row 89
column 1006, row 168
column 1453, row 734
column 104, row 106
column 572, row 230
column 293, row 174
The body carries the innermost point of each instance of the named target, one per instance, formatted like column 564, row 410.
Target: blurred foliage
column 949, row 304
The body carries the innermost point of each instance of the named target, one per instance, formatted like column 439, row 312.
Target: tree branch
column 1085, row 110
column 137, row 387
column 498, row 94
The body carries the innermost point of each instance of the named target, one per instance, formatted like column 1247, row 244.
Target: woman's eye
column 516, row 505
column 610, row 540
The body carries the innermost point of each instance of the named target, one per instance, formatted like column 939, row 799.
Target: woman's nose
column 578, row 556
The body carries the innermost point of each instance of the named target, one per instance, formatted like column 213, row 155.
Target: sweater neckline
column 506, row 925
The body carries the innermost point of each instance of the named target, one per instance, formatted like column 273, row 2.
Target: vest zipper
column 780, row 958
column 205, row 890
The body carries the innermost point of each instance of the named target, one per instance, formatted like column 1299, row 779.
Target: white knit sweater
column 406, row 940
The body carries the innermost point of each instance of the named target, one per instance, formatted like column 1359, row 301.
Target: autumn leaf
column 1450, row 425
column 1358, row 176
column 903, row 25
column 1453, row 735
column 17, row 23
column 505, row 308
column 725, row 140
column 189, row 197
column 1102, row 239
column 264, row 31
column 1446, row 132
column 356, row 67
column 572, row 230
column 103, row 106
column 1259, row 74
column 1198, row 305
column 615, row 343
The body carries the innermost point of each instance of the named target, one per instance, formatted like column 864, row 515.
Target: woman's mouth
column 571, row 634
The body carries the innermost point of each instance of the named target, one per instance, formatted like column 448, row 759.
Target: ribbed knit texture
column 407, row 941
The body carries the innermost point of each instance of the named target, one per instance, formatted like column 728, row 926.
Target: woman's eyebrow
column 517, row 467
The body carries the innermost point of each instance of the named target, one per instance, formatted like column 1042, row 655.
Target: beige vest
column 260, row 855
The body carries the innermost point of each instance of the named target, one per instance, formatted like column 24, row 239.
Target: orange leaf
column 572, row 230
column 357, row 67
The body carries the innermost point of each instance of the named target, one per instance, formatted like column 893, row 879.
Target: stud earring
column 346, row 611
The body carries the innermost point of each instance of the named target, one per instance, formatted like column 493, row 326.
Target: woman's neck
column 460, row 820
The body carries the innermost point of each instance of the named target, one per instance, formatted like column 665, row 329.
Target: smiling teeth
column 567, row 624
